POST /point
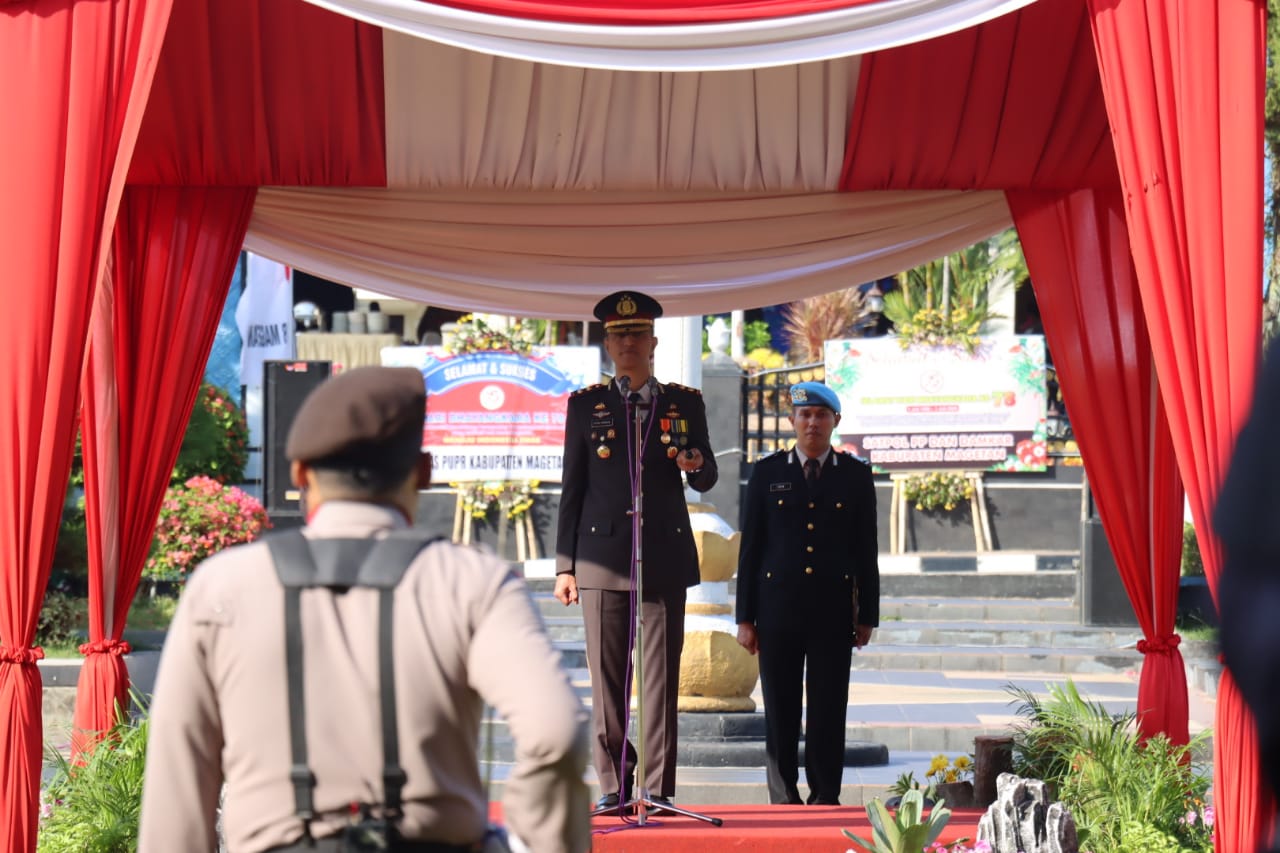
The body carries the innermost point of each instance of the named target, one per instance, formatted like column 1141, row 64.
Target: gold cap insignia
column 626, row 306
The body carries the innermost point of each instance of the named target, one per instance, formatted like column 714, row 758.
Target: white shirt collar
column 822, row 459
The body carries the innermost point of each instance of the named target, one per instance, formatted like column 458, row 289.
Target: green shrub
column 216, row 443
column 60, row 620
column 94, row 807
column 1126, row 794
column 755, row 335
column 71, row 552
column 1192, row 565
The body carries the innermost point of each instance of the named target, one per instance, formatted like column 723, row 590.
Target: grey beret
column 360, row 413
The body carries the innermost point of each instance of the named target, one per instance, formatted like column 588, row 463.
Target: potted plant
column 946, row 781
column 952, row 779
column 908, row 830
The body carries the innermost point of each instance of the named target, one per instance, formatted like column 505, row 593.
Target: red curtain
column 264, row 93
column 1077, row 251
column 1184, row 84
column 1014, row 103
column 76, row 78
column 154, row 320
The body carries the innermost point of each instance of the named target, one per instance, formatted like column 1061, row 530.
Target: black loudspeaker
column 1103, row 600
column 285, row 385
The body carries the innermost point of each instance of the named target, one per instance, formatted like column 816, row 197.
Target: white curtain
column 459, row 119
column 691, row 47
column 548, row 254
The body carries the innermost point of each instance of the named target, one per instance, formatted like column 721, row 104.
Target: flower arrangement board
column 496, row 414
column 927, row 408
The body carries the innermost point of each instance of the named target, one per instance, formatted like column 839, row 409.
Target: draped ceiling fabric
column 639, row 35
column 832, row 141
column 541, row 254
column 77, row 76
column 1077, row 252
column 154, row 319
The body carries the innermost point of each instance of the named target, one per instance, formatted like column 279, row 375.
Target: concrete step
column 700, row 787
column 1002, row 634
column 901, row 710
column 912, row 608
column 1049, row 583
column 566, row 630
column 954, row 657
column 952, row 609
column 1001, row 659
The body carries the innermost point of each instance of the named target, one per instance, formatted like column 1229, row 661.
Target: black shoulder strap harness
column 303, row 563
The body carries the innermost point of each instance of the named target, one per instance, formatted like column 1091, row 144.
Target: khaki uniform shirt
column 465, row 632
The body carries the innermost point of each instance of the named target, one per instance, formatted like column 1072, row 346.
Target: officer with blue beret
column 808, row 592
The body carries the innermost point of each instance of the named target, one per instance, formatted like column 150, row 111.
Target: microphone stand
column 642, row 800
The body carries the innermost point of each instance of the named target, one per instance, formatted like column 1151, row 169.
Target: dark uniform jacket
column 594, row 536
column 801, row 555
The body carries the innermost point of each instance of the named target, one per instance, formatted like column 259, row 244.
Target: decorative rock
column 1022, row 820
column 716, row 674
column 717, row 554
column 1060, row 829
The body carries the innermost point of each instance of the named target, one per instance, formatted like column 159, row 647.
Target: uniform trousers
column 607, row 615
column 785, row 652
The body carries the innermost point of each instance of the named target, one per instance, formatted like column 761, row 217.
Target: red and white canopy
column 392, row 159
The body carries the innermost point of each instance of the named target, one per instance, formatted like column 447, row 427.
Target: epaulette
column 856, row 457
column 697, row 391
column 595, row 387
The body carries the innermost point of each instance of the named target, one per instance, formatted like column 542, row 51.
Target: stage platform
column 754, row 829
column 750, row 829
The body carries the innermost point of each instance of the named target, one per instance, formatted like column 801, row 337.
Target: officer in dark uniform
column 1249, row 586
column 808, row 591
column 594, row 540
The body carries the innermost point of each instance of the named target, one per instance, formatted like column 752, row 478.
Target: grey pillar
column 722, row 390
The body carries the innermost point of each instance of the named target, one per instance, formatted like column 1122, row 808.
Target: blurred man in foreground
column 335, row 679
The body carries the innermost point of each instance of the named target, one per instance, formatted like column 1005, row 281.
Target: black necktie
column 811, row 473
column 637, row 405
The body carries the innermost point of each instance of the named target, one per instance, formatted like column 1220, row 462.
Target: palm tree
column 810, row 323
column 945, row 301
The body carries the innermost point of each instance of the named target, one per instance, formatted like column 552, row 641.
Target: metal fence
column 765, row 406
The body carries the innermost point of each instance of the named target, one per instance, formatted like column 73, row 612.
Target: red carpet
column 767, row 829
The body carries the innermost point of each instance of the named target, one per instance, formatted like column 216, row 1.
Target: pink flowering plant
column 197, row 520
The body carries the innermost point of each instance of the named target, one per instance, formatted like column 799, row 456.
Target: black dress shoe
column 660, row 805
column 609, row 804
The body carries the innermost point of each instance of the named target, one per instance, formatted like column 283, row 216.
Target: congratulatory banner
column 497, row 415
column 931, row 408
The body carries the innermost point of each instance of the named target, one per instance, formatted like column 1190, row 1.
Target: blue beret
column 814, row 394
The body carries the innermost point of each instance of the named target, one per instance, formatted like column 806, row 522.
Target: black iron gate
column 765, row 407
